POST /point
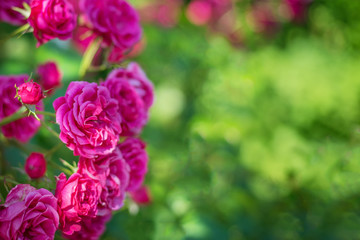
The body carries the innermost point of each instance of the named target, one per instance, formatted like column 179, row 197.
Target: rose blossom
column 78, row 197
column 133, row 151
column 49, row 76
column 28, row 213
column 199, row 12
column 114, row 20
column 9, row 15
column 30, row 92
column 88, row 118
column 134, row 93
column 297, row 9
column 91, row 228
column 35, row 165
column 24, row 128
column 113, row 173
column 52, row 19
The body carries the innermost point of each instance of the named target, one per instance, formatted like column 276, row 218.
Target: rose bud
column 30, row 92
column 49, row 76
column 35, row 165
column 141, row 195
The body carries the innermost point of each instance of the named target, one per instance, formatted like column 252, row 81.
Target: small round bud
column 141, row 195
column 49, row 76
column 30, row 92
column 35, row 165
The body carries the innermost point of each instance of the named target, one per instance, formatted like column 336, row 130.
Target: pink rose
column 133, row 151
column 30, row 92
column 199, row 12
column 114, row 20
column 7, row 14
column 52, row 19
column 91, row 228
column 49, row 76
column 78, row 197
column 297, row 9
column 22, row 129
column 89, row 119
column 141, row 195
column 113, row 173
column 28, row 213
column 134, row 93
column 265, row 21
column 35, row 165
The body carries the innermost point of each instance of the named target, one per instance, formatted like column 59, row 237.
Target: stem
column 50, row 114
column 2, row 160
column 89, row 56
column 55, row 134
column 63, row 169
column 7, row 179
column 97, row 68
column 15, row 116
column 54, row 149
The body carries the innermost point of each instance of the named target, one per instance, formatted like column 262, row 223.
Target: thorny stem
column 55, row 134
column 50, row 114
column 54, row 149
column 15, row 116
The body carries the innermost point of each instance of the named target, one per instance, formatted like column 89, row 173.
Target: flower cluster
column 91, row 119
column 100, row 121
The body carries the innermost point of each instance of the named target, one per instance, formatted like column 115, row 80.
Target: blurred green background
column 256, row 142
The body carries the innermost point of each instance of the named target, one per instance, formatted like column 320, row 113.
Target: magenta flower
column 22, row 129
column 7, row 14
column 113, row 173
column 133, row 151
column 114, row 20
column 30, row 93
column 91, row 228
column 141, row 195
column 52, row 19
column 297, row 9
column 134, row 93
column 89, row 119
column 199, row 12
column 35, row 165
column 28, row 213
column 49, row 76
column 78, row 197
